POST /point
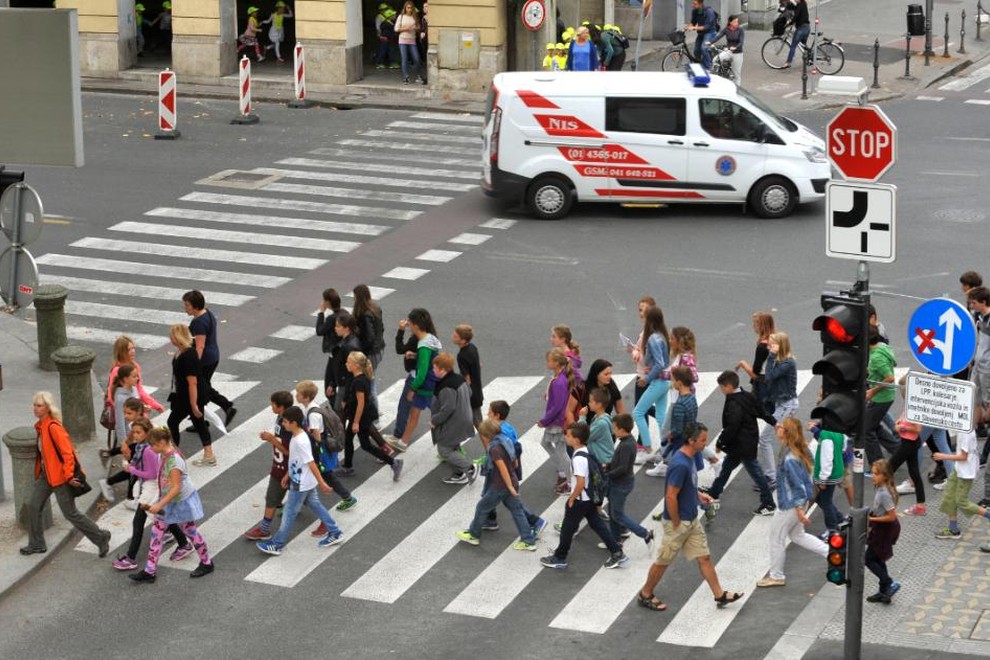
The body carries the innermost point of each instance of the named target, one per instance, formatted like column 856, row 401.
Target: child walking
column 552, row 422
column 279, row 439
column 131, row 411
column 360, row 411
column 883, row 532
column 178, row 504
column 958, row 485
column 621, row 480
column 250, row 36
column 276, row 34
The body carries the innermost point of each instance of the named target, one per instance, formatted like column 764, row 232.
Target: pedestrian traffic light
column 9, row 178
column 838, row 541
column 844, row 328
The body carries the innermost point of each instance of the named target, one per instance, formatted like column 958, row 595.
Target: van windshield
column 781, row 122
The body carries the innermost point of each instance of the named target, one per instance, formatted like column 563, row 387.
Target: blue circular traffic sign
column 942, row 336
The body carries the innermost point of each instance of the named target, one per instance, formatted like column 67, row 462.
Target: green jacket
column 881, row 366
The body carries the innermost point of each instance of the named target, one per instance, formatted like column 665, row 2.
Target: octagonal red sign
column 862, row 142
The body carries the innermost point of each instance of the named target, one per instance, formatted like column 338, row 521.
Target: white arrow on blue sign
column 942, row 336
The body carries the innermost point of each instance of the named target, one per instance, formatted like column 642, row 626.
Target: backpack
column 594, row 485
column 325, row 450
column 378, row 322
column 718, row 21
column 620, row 39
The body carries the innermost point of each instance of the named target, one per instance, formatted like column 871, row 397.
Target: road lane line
column 468, row 238
column 443, row 256
column 392, row 158
column 405, row 273
column 141, row 290
column 226, row 236
column 255, row 355
column 388, row 136
column 498, row 223
column 354, row 193
column 294, row 332
column 107, row 337
column 406, row 146
column 299, row 205
column 444, row 117
column 270, row 221
column 429, row 126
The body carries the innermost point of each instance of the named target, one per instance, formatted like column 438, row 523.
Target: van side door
column 728, row 149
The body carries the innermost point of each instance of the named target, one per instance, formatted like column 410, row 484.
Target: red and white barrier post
column 299, row 77
column 244, row 115
column 166, row 106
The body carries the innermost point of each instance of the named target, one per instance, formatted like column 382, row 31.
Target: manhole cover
column 239, row 179
column 962, row 216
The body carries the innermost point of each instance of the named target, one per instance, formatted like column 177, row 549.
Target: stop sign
column 861, row 142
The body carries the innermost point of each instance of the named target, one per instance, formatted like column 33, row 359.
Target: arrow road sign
column 859, row 221
column 942, row 336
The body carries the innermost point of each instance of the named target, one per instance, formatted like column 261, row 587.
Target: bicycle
column 679, row 55
column 828, row 56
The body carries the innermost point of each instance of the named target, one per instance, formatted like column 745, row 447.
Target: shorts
column 421, row 401
column 275, row 493
column 689, row 538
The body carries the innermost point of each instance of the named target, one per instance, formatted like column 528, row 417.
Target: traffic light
column 9, row 178
column 844, row 328
column 838, row 542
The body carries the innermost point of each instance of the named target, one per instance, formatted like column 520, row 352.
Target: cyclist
column 734, row 36
column 703, row 23
column 802, row 28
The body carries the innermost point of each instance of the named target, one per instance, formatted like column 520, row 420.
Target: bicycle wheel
column 831, row 58
column 674, row 60
column 775, row 51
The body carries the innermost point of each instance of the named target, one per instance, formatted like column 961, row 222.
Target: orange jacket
column 51, row 433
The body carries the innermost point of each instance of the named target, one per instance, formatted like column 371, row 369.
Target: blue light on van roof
column 697, row 75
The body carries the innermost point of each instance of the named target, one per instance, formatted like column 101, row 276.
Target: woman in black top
column 189, row 392
column 326, row 319
column 370, row 329
column 600, row 375
column 763, row 326
column 802, row 27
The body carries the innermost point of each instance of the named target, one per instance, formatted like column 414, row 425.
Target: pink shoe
column 916, row 510
column 181, row 552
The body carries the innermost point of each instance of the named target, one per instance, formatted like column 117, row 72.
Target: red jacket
column 52, row 434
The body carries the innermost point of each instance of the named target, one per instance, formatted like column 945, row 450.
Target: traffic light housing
column 838, row 556
column 844, row 328
column 9, row 178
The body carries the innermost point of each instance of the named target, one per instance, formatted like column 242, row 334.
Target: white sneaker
column 940, row 485
column 906, row 487
column 659, row 471
column 107, row 491
column 396, row 443
column 641, row 457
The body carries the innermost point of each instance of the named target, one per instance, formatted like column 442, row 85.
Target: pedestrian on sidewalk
column 553, row 420
column 279, row 438
column 178, row 504
column 189, row 393
column 883, row 531
column 469, row 364
column 451, row 422
column 203, row 328
column 682, row 529
column 55, row 471
column 326, row 321
column 656, row 381
column 780, row 381
column 958, row 485
column 802, row 28
column 407, row 28
column 420, row 382
column 794, row 494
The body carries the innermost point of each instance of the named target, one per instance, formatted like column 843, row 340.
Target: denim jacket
column 656, row 357
column 794, row 486
column 781, row 379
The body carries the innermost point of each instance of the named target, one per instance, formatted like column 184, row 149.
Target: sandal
column 650, row 602
column 727, row 597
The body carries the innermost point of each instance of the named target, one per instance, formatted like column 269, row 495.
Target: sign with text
column 944, row 403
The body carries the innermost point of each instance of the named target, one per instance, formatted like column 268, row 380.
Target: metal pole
column 945, row 53
column 907, row 57
column 962, row 34
column 639, row 38
column 15, row 244
column 804, row 75
column 979, row 18
column 929, row 10
column 876, row 64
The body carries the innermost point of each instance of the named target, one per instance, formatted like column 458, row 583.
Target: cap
column 561, row 46
column 585, row 23
column 139, row 7
column 608, row 26
column 251, row 10
column 166, row 5
column 383, row 5
column 280, row 4
column 551, row 46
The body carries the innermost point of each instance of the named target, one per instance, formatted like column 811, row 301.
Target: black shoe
column 142, row 576
column 28, row 550
column 937, row 475
column 229, row 417
column 104, row 545
column 879, row 597
column 201, row 570
column 985, row 502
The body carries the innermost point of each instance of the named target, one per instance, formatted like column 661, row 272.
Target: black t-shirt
column 206, row 324
column 187, row 364
column 361, row 384
column 469, row 364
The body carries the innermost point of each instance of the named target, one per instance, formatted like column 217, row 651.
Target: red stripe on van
column 682, row 194
column 534, row 100
column 566, row 126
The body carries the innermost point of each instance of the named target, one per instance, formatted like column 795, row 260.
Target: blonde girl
column 189, row 392
column 781, row 396
column 656, row 381
column 407, row 27
column 794, row 494
column 123, row 353
column 557, row 396
column 361, row 411
column 884, row 529
column 763, row 327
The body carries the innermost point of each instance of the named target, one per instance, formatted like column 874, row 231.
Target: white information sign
column 944, row 403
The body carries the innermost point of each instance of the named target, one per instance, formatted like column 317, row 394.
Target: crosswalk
column 972, row 89
column 411, row 563
column 270, row 225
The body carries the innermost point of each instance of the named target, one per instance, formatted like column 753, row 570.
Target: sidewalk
column 22, row 377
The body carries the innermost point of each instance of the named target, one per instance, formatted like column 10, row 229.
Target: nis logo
column 563, row 124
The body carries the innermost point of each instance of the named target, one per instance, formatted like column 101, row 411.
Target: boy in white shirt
column 956, row 497
column 302, row 480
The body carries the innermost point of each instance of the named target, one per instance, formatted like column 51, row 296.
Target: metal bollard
column 962, row 34
column 876, row 64
column 804, row 75
column 49, row 300
column 945, row 53
column 23, row 445
column 979, row 19
column 75, row 385
column 907, row 58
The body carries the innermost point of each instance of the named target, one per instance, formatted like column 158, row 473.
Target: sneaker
column 256, row 533
column 941, row 486
column 468, row 538
column 379, row 66
column 523, row 546
column 552, row 561
column 269, row 548
column 937, row 474
column 457, row 479
column 422, row 80
column 490, row 526
column 558, row 527
column 650, row 536
column 642, row 453
column 660, row 470
column 771, row 582
column 261, row 58
column 393, row 66
column 132, row 504
column 895, row 586
column 947, row 533
column 396, row 468
column 472, row 473
column 181, row 552
column 879, row 597
column 616, row 560
column 205, row 462
column 916, row 510
column 347, row 505
column 143, row 576
column 107, row 491
column 624, row 535
column 343, row 471
column 562, row 487
column 331, row 539
column 405, row 80
column 906, row 487
column 604, row 516
column 103, row 547
column 229, row 416
column 124, row 563
column 396, row 443
column 602, row 546
column 321, row 530
column 538, row 528
column 765, row 510
column 201, row 570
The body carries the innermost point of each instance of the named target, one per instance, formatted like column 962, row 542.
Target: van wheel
column 549, row 197
column 773, row 197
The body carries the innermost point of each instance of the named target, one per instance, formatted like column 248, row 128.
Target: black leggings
column 908, row 452
column 878, row 567
column 178, row 414
column 364, row 438
column 137, row 533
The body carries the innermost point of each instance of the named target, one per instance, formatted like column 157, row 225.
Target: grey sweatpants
column 555, row 445
column 454, row 458
column 66, row 504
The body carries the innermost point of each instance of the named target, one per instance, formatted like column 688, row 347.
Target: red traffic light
column 837, row 333
column 837, row 541
column 840, row 323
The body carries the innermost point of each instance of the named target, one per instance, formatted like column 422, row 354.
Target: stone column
column 76, row 391
column 49, row 301
column 23, row 445
column 331, row 30
column 107, row 33
column 456, row 61
column 204, row 39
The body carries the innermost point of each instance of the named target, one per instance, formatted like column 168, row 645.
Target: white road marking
column 443, row 256
column 406, row 273
column 140, row 290
column 154, row 270
column 388, row 136
column 399, row 157
column 967, row 81
column 444, row 117
column 255, row 238
column 136, row 314
column 405, row 146
column 354, row 193
column 200, row 254
column 270, row 221
column 295, row 332
column 255, row 355
column 363, row 167
column 498, row 223
column 107, row 337
column 297, row 205
column 930, row 98
column 418, row 184
column 962, row 174
column 469, row 239
column 977, row 101
column 427, row 126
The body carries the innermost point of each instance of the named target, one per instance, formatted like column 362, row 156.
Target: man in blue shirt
column 704, row 23
column 682, row 529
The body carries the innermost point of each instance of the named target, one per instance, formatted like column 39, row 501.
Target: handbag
column 108, row 417
column 77, row 474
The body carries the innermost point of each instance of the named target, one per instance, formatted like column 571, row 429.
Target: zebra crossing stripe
column 745, row 562
column 141, row 290
column 255, row 355
column 967, row 81
column 468, row 238
column 405, row 146
column 354, row 193
column 270, row 221
column 376, row 494
column 299, row 205
column 201, row 254
column 426, row 126
column 388, row 136
column 444, row 117
column 416, row 184
column 443, row 256
column 254, row 238
column 155, row 270
column 363, row 167
column 294, row 332
column 107, row 337
column 124, row 313
column 393, row 157
column 498, row 223
column 405, row 273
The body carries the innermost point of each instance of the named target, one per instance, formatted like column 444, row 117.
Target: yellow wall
column 196, row 17
column 485, row 15
column 321, row 20
column 94, row 15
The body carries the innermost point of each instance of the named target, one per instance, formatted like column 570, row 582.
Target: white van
column 554, row 138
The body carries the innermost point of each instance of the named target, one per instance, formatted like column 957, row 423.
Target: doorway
column 277, row 60
column 380, row 59
column 156, row 30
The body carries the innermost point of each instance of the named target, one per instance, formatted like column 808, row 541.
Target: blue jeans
column 490, row 499
column 752, row 466
column 831, row 512
column 800, row 35
column 402, row 412
column 407, row 52
column 655, row 395
column 618, row 518
column 701, row 52
column 293, row 503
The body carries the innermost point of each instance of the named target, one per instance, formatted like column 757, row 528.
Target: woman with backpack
column 371, row 329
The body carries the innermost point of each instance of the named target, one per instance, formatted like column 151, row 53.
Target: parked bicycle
column 828, row 56
column 680, row 54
